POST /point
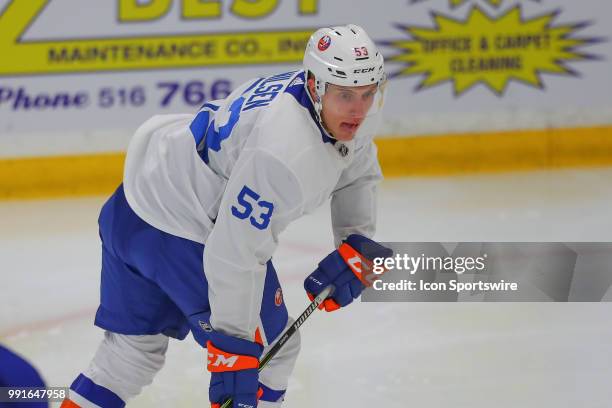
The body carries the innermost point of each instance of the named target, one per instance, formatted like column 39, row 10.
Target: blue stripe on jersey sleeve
column 214, row 137
column 253, row 85
column 200, row 123
column 210, row 106
column 203, row 127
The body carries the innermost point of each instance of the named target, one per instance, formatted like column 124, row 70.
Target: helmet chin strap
column 317, row 103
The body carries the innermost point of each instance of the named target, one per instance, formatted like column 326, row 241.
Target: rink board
column 78, row 175
column 474, row 85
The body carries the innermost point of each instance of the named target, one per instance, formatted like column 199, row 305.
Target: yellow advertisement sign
column 489, row 50
column 140, row 52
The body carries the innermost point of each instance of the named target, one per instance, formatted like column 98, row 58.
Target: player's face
column 345, row 108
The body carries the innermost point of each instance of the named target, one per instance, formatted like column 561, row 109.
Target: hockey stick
column 286, row 335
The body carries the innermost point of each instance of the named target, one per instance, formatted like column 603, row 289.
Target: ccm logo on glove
column 221, row 361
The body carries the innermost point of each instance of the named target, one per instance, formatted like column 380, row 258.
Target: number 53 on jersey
column 249, row 203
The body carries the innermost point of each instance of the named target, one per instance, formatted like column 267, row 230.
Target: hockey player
column 18, row 373
column 187, row 239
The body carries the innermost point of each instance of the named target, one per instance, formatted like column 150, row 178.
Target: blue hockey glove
column 343, row 269
column 233, row 365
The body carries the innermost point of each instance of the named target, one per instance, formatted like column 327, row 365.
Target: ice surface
column 370, row 354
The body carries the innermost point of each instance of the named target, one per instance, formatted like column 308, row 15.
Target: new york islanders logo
column 324, row 43
column 278, row 297
column 205, row 326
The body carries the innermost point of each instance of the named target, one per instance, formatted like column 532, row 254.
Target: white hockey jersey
column 235, row 176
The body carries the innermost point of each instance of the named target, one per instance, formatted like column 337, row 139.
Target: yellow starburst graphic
column 489, row 50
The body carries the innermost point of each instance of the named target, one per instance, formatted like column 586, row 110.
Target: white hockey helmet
column 345, row 56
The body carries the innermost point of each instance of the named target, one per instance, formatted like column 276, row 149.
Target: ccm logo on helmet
column 217, row 360
column 363, row 70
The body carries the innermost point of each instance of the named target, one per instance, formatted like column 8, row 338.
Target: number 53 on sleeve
column 247, row 200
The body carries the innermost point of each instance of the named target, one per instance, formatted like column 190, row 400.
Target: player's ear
column 311, row 87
